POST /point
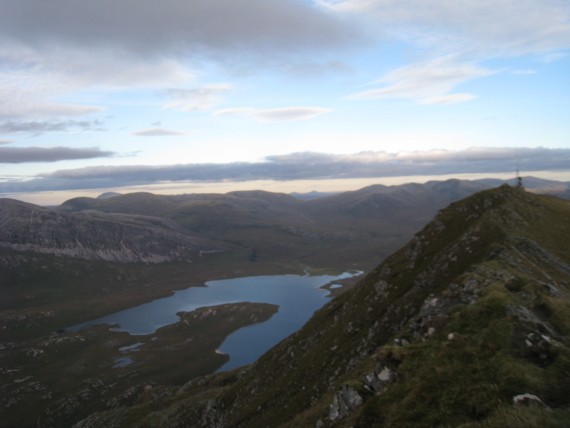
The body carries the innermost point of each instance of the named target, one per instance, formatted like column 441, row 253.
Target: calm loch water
column 298, row 297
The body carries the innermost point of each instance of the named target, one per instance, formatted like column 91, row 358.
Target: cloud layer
column 455, row 36
column 52, row 49
column 134, row 41
column 63, row 63
column 303, row 166
column 490, row 27
column 149, row 27
column 40, row 127
column 52, row 154
column 55, row 48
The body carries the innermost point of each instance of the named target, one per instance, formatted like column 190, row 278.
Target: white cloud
column 429, row 80
column 490, row 27
column 448, row 99
column 289, row 113
column 62, row 47
column 555, row 56
column 277, row 114
column 27, row 94
column 144, row 41
column 523, row 72
column 159, row 132
column 454, row 36
column 200, row 98
column 235, row 110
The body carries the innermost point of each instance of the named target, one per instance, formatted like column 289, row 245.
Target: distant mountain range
column 312, row 195
column 351, row 227
column 354, row 228
column 535, row 185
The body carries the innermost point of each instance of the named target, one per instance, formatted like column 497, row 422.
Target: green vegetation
column 446, row 382
column 524, row 417
column 76, row 368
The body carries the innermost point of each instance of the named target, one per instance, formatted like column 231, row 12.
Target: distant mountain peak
column 108, row 195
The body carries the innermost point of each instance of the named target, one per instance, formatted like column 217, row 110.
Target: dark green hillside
column 535, row 185
column 445, row 332
column 141, row 203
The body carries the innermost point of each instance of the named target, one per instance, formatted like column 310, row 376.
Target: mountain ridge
column 475, row 305
column 351, row 227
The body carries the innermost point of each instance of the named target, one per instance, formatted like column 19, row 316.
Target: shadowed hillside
column 350, row 229
column 97, row 236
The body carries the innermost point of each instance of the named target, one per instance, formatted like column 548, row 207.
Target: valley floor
column 64, row 376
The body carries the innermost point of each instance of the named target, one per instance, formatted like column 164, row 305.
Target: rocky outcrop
column 344, row 401
column 529, row 400
column 95, row 235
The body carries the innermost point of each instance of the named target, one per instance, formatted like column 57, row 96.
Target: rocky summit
column 467, row 325
column 96, row 235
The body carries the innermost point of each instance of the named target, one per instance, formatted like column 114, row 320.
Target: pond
column 298, row 297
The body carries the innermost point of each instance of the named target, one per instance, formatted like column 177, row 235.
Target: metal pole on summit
column 519, row 178
column 519, row 184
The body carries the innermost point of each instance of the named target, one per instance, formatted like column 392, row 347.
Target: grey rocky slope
column 95, row 235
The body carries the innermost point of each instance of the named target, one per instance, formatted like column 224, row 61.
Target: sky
column 193, row 96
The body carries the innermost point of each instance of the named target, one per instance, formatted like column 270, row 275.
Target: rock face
column 96, row 236
column 471, row 313
column 344, row 401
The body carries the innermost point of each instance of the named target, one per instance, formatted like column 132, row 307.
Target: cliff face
column 96, row 236
column 447, row 331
